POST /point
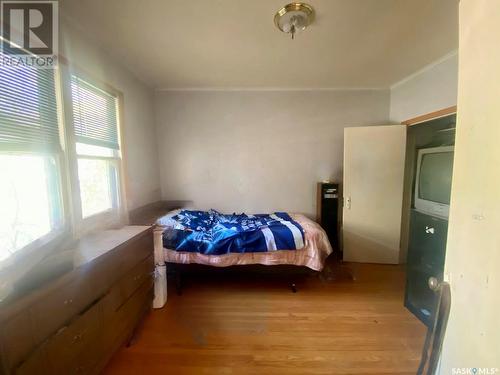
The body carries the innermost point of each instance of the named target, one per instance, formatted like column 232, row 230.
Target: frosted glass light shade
column 294, row 17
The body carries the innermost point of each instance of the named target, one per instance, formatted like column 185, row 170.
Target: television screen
column 435, row 177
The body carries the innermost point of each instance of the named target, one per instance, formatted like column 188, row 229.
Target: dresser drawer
column 65, row 347
column 137, row 276
column 136, row 304
column 83, row 364
column 86, row 361
column 103, row 273
column 112, row 301
column 134, row 252
column 122, row 321
column 17, row 338
column 111, row 304
column 37, row 364
column 54, row 310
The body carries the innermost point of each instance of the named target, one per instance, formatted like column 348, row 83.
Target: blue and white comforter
column 213, row 233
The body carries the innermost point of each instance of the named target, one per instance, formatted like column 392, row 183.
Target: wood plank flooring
column 253, row 324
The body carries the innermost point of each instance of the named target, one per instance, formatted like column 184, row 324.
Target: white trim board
column 272, row 89
column 424, row 69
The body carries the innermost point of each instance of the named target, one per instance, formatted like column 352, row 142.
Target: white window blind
column 94, row 115
column 28, row 109
column 31, row 210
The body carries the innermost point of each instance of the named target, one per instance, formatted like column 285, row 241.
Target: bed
column 214, row 239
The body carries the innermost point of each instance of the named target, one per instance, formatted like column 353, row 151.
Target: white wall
column 473, row 252
column 428, row 90
column 141, row 157
column 257, row 151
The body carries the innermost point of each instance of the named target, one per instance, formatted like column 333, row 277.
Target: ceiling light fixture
column 294, row 17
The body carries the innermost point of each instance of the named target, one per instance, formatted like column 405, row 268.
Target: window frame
column 44, row 244
column 59, row 231
column 114, row 216
column 115, row 199
column 72, row 226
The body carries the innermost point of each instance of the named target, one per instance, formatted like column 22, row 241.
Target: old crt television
column 433, row 181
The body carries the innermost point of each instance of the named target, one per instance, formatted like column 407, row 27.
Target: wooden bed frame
column 179, row 272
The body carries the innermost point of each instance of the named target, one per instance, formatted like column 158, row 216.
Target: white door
column 374, row 159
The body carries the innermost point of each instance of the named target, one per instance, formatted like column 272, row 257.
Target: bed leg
column 293, row 287
column 178, row 281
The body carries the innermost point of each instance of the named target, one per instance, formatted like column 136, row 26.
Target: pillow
column 168, row 220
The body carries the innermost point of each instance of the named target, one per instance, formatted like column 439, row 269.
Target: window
column 30, row 183
column 39, row 173
column 95, row 126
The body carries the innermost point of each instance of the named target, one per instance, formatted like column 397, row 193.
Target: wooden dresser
column 73, row 324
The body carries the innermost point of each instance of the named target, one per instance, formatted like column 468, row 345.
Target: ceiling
column 222, row 44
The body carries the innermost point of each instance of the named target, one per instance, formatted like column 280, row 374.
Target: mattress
column 310, row 250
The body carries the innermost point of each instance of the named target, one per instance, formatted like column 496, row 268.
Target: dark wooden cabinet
column 426, row 256
column 423, row 235
column 75, row 323
column 327, row 210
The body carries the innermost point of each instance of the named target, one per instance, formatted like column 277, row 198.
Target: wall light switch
column 348, row 203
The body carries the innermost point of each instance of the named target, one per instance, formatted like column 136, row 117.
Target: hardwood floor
column 253, row 324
